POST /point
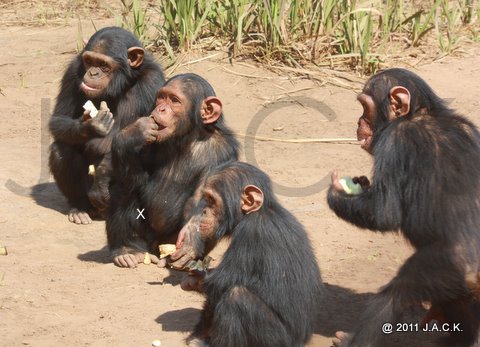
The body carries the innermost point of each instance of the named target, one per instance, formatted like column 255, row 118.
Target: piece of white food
column 89, row 106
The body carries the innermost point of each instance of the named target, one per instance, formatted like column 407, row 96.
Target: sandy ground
column 57, row 287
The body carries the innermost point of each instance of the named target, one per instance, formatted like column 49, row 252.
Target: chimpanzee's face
column 172, row 110
column 366, row 121
column 99, row 71
column 204, row 213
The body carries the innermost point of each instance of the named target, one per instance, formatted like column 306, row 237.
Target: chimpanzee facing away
column 158, row 161
column 113, row 68
column 265, row 291
column 425, row 183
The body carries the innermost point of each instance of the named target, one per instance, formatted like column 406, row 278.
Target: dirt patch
column 57, row 286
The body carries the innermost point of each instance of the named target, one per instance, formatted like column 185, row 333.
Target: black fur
column 161, row 177
column 425, row 184
column 130, row 94
column 266, row 290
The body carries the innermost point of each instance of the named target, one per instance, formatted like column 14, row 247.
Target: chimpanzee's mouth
column 160, row 126
column 155, row 116
column 85, row 86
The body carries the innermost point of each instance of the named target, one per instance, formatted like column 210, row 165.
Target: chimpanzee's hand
column 148, row 129
column 336, row 182
column 101, row 124
column 181, row 257
column 363, row 181
column 193, row 282
column 185, row 245
column 99, row 196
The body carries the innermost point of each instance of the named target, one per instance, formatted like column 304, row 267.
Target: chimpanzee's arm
column 66, row 124
column 125, row 229
column 379, row 206
column 127, row 163
column 65, row 128
column 124, row 226
column 372, row 209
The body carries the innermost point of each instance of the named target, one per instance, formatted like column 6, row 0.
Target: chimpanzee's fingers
column 180, row 239
column 334, row 176
column 109, row 121
column 195, row 342
column 162, row 262
column 104, row 106
column 336, row 342
column 339, row 337
column 105, row 121
column 76, row 219
column 178, row 261
column 151, row 123
column 159, row 262
column 131, row 261
column 79, row 217
column 86, row 115
column 181, row 263
column 362, row 180
column 177, row 254
column 119, row 261
column 151, row 136
column 336, row 182
column 100, row 118
column 154, row 259
column 104, row 116
column 126, row 260
column 84, row 218
column 109, row 118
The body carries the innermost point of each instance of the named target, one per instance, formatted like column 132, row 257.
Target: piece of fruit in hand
column 166, row 249
column 89, row 106
column 349, row 186
column 200, row 265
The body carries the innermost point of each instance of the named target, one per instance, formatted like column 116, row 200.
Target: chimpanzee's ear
column 135, row 56
column 400, row 101
column 211, row 109
column 252, row 199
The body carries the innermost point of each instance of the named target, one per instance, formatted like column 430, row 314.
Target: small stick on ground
column 325, row 140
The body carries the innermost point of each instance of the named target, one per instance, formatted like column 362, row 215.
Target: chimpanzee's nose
column 93, row 72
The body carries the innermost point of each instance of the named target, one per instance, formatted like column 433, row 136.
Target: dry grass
column 319, row 39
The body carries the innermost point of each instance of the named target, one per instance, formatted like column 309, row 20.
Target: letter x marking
column 140, row 213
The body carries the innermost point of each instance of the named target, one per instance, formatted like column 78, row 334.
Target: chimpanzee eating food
column 425, row 184
column 158, row 162
column 266, row 290
column 116, row 74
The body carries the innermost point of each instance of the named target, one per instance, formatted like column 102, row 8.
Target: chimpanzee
column 265, row 291
column 425, row 184
column 113, row 69
column 158, row 161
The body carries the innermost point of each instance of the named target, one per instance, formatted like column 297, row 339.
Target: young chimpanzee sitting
column 158, row 162
column 426, row 183
column 265, row 291
column 120, row 78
